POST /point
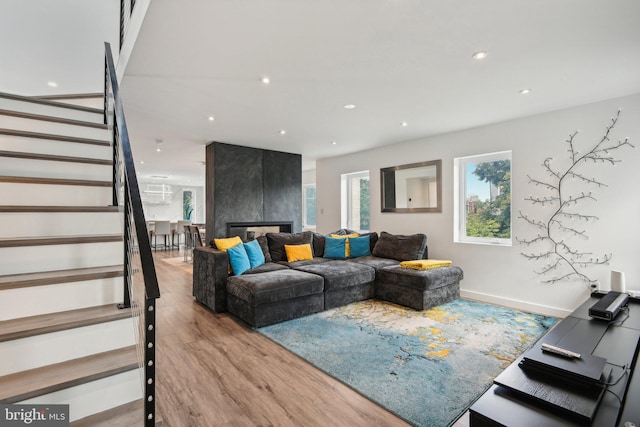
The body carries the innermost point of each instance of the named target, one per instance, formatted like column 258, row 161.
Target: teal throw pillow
column 360, row 246
column 238, row 259
column 335, row 248
column 255, row 254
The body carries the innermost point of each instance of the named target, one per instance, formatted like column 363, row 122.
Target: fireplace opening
column 250, row 230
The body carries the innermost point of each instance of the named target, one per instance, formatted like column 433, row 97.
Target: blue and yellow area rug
column 427, row 366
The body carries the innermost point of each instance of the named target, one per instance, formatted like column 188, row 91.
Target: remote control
column 561, row 351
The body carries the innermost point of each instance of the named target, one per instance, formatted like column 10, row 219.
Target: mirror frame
column 437, row 208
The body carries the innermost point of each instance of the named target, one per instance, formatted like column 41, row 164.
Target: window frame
column 346, row 181
column 460, row 203
column 305, row 187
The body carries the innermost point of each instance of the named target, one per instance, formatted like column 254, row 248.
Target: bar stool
column 162, row 228
column 178, row 231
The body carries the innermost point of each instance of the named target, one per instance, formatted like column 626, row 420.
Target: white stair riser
column 96, row 396
column 59, row 148
column 54, row 195
column 97, row 102
column 60, row 297
column 41, row 224
column 45, row 126
column 50, row 110
column 54, row 169
column 32, row 259
column 34, row 352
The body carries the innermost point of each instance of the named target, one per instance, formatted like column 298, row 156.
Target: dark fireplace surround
column 251, row 230
column 247, row 185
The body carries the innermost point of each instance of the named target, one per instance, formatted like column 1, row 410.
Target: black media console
column 619, row 406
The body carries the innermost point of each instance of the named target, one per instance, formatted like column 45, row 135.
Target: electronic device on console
column 609, row 306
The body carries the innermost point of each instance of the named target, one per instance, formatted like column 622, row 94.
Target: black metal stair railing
column 140, row 281
column 126, row 9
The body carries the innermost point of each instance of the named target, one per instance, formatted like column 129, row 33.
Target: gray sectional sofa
column 279, row 290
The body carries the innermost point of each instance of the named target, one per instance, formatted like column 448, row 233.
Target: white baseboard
column 517, row 304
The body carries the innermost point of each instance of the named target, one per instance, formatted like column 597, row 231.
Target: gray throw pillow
column 264, row 245
column 399, row 247
column 278, row 240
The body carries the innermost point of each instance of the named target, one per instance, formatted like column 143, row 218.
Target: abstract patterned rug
column 427, row 366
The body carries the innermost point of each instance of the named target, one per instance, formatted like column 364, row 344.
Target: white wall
column 173, row 210
column 502, row 274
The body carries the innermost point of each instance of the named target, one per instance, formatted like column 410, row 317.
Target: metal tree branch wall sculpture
column 556, row 232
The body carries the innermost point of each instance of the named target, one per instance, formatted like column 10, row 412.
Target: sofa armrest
column 210, row 273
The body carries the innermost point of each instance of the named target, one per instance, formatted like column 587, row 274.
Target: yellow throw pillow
column 425, row 264
column 298, row 252
column 346, row 244
column 224, row 244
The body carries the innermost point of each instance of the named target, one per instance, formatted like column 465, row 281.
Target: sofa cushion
column 421, row 279
column 238, row 259
column 278, row 240
column 400, row 247
column 318, row 244
column 359, row 246
column 255, row 254
column 298, row 252
column 274, row 286
column 375, row 262
column 373, row 239
column 264, row 245
column 339, row 274
column 315, row 260
column 224, row 244
column 266, row 267
column 335, row 248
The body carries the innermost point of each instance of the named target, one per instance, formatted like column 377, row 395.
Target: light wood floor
column 213, row 370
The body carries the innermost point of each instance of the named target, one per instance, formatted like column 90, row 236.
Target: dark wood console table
column 619, row 344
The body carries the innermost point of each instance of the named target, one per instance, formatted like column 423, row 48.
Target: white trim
column 517, row 304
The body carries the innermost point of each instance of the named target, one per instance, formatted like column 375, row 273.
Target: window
column 355, row 200
column 483, row 199
column 309, row 206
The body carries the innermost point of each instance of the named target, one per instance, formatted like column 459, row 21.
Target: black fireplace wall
column 246, row 184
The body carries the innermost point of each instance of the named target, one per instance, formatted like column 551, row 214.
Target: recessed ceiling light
column 349, row 106
column 333, row 143
column 404, row 124
column 52, row 84
column 158, row 149
column 266, row 80
column 142, row 162
column 211, row 118
column 282, row 132
column 524, row 91
column 159, row 142
column 480, row 55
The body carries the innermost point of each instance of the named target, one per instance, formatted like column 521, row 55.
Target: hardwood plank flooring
column 213, row 370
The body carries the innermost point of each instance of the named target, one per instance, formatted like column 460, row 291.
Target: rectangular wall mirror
column 416, row 187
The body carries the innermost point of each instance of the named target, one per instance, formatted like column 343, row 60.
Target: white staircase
column 62, row 338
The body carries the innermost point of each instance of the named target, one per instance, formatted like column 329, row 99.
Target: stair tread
column 14, row 281
column 128, row 415
column 54, row 181
column 69, row 209
column 40, row 135
column 55, row 158
column 47, row 379
column 54, row 322
column 52, row 119
column 50, row 102
column 11, row 242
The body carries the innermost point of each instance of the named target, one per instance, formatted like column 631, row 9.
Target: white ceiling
column 396, row 60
